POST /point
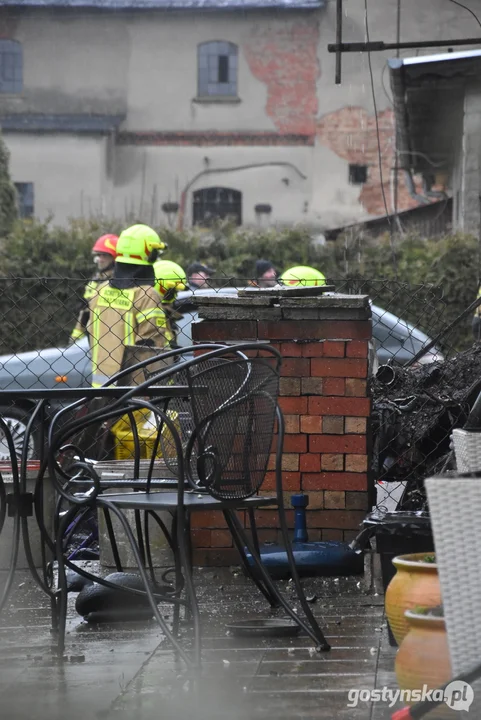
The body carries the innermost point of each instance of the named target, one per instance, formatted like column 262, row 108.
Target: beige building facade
column 123, row 112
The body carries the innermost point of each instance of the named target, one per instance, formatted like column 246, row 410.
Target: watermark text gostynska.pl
column 458, row 695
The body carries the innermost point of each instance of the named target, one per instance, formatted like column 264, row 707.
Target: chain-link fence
column 428, row 379
column 431, row 380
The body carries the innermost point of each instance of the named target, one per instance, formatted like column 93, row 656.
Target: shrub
column 43, row 270
column 8, row 195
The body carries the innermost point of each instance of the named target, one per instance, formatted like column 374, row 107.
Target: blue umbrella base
column 312, row 559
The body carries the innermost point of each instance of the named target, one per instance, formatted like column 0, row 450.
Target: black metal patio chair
column 234, row 410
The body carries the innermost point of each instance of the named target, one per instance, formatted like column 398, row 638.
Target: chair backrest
column 234, row 401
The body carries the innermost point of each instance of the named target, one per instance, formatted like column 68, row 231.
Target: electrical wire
column 389, row 98
column 378, row 134
column 455, row 2
column 424, row 156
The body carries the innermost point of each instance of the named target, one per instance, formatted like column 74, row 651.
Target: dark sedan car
column 396, row 341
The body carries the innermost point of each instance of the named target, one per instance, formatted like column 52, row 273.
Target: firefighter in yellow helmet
column 104, row 253
column 126, row 322
column 170, row 278
column 302, row 275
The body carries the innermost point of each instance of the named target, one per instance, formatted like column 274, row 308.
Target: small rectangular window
column 357, row 174
column 223, row 74
column 25, row 199
column 217, row 69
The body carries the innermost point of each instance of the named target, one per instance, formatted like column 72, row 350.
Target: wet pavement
column 127, row 671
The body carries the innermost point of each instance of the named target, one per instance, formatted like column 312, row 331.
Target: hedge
column 43, row 269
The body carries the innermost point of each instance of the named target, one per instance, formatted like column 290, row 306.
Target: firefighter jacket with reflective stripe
column 79, row 330
column 125, row 326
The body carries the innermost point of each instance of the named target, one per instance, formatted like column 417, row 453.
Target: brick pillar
column 324, row 341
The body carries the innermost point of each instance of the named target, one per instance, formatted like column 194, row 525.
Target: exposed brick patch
column 284, row 56
column 351, row 133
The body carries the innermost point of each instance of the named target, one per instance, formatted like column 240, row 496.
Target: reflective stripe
column 129, row 335
column 76, row 334
column 90, row 289
column 115, row 298
column 149, row 314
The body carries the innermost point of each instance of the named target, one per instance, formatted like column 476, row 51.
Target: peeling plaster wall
column 145, row 65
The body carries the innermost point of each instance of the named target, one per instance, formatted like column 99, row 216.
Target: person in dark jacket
column 198, row 276
column 266, row 274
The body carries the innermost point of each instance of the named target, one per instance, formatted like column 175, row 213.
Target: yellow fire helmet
column 169, row 279
column 302, row 275
column 139, row 245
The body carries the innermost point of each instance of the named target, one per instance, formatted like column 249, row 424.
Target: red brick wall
column 324, row 398
column 284, row 57
column 351, row 133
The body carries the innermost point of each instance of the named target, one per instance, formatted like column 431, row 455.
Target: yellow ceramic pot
column 416, row 584
column 423, row 658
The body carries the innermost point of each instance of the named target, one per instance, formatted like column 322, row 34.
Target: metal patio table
column 20, row 504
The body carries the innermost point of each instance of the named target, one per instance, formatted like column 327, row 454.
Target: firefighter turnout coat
column 80, row 329
column 124, row 326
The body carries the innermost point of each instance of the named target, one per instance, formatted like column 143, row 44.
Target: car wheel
column 17, row 420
